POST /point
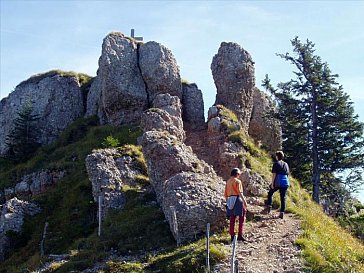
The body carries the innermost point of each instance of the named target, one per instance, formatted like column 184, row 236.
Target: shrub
column 110, row 142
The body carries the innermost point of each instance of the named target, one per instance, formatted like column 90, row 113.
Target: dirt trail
column 270, row 247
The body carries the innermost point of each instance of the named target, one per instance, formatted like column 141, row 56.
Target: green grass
column 185, row 82
column 141, row 229
column 327, row 247
column 229, row 122
column 68, row 207
column 82, row 78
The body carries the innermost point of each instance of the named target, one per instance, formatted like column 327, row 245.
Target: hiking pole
column 232, row 261
column 208, row 247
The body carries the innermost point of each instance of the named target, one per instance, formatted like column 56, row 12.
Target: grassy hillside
column 140, row 233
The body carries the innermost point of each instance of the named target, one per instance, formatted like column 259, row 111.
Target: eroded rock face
column 123, row 91
column 181, row 180
column 159, row 70
column 165, row 116
column 108, row 171
column 253, row 183
column 94, row 99
column 33, row 184
column 233, row 72
column 262, row 128
column 129, row 77
column 56, row 99
column 105, row 178
column 193, row 107
column 197, row 199
column 11, row 219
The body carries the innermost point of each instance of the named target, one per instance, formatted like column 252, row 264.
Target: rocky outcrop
column 11, row 219
column 33, row 184
column 233, row 72
column 228, row 147
column 193, row 107
column 181, row 180
column 253, row 183
column 227, row 155
column 129, row 77
column 263, row 128
column 159, row 70
column 56, row 99
column 165, row 116
column 108, row 171
column 94, row 100
column 123, row 91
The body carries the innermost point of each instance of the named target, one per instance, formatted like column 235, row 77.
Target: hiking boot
column 242, row 238
column 281, row 214
column 269, row 208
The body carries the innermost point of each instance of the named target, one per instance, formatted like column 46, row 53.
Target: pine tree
column 21, row 141
column 320, row 127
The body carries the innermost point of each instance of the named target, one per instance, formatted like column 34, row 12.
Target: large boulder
column 56, row 99
column 109, row 170
column 263, row 127
column 183, row 183
column 193, row 107
column 159, row 70
column 123, row 95
column 129, row 77
column 12, row 215
column 105, row 178
column 165, row 116
column 197, row 200
column 233, row 72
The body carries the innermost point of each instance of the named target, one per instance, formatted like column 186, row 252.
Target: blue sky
column 37, row 36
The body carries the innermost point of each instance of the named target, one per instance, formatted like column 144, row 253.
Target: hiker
column 236, row 204
column 280, row 181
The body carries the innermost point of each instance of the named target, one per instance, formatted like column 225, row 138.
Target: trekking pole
column 232, row 261
column 208, row 247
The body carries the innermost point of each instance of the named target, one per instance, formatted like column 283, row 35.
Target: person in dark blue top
column 280, row 181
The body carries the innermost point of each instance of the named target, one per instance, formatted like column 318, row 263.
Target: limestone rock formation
column 56, row 99
column 109, row 170
column 105, row 178
column 181, row 180
column 233, row 72
column 165, row 116
column 129, row 77
column 226, row 155
column 12, row 215
column 253, row 183
column 33, row 184
column 262, row 128
column 159, row 70
column 94, row 100
column 123, row 91
column 228, row 152
column 193, row 107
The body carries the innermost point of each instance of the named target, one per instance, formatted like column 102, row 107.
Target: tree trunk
column 316, row 161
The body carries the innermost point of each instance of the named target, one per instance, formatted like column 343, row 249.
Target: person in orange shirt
column 236, row 204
